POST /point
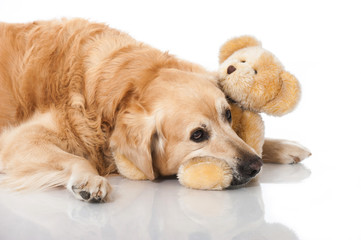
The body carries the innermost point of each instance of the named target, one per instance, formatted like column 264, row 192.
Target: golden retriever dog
column 73, row 92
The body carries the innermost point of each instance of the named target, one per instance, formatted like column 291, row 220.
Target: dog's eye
column 199, row 135
column 255, row 71
column 229, row 115
column 243, row 61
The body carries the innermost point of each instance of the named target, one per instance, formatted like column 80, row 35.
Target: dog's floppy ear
column 132, row 137
column 287, row 98
column 236, row 44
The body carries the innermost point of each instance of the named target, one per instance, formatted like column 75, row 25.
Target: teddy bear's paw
column 284, row 152
column 205, row 173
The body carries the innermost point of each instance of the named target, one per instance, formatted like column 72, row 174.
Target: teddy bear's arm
column 249, row 126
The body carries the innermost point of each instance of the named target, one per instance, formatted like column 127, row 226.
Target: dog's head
column 176, row 117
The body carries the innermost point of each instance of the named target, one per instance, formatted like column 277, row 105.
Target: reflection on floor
column 149, row 210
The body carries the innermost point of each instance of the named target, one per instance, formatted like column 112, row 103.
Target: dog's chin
column 239, row 182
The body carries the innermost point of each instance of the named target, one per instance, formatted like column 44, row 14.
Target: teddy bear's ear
column 236, row 44
column 288, row 97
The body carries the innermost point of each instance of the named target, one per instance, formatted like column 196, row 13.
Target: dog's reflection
column 232, row 214
column 166, row 210
column 284, row 173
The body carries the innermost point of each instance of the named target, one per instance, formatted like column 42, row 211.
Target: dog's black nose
column 250, row 166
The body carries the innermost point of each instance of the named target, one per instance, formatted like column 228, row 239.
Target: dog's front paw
column 93, row 189
column 294, row 152
column 284, row 152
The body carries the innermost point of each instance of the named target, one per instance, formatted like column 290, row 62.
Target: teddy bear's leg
column 249, row 126
column 283, row 151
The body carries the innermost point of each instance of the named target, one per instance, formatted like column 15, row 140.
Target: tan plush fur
column 258, row 81
column 74, row 95
column 255, row 81
column 249, row 126
column 235, row 44
column 205, row 173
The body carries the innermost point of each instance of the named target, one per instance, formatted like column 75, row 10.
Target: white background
column 317, row 41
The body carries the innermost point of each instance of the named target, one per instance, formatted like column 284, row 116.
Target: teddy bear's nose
column 231, row 69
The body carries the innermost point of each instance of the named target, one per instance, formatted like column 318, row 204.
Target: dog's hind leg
column 32, row 158
column 283, row 151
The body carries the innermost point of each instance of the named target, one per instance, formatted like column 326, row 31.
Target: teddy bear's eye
column 243, row 61
column 255, row 71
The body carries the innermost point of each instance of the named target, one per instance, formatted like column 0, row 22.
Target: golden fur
column 74, row 94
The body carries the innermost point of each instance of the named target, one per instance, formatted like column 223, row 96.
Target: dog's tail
column 1, row 146
column 33, row 179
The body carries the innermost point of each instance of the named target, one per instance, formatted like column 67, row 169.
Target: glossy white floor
column 318, row 41
column 303, row 201
column 165, row 210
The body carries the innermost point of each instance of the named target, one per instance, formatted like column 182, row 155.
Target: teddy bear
column 254, row 82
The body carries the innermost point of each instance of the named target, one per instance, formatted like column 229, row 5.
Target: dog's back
column 42, row 64
column 12, row 49
column 25, row 57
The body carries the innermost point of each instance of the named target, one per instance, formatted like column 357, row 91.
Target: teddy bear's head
column 254, row 78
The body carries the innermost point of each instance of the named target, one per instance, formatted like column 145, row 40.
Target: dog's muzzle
column 246, row 169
